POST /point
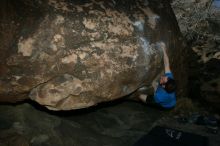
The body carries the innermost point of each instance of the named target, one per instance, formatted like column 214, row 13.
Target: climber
column 161, row 94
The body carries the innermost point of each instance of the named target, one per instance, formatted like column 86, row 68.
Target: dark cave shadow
column 67, row 113
column 84, row 111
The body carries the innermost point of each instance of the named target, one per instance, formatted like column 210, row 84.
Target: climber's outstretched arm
column 165, row 58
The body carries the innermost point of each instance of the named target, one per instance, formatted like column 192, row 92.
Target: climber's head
column 168, row 84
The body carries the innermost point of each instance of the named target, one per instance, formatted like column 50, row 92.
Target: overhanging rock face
column 74, row 54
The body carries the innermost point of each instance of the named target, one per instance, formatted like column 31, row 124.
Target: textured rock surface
column 75, row 54
column 199, row 21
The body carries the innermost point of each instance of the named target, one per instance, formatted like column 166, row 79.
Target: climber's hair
column 170, row 85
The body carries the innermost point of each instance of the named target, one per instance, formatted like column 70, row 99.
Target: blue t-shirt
column 166, row 100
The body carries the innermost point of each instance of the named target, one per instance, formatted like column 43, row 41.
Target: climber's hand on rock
column 163, row 45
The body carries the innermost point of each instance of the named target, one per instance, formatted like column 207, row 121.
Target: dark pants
column 150, row 101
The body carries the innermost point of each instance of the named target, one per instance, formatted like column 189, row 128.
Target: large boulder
column 74, row 54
